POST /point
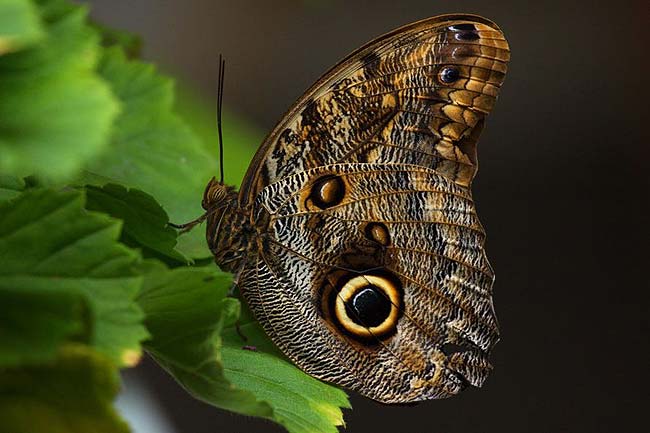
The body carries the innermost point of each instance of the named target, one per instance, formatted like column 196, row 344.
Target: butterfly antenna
column 222, row 71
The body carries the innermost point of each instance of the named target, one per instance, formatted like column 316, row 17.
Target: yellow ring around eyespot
column 353, row 286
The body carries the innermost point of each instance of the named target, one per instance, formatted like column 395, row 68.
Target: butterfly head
column 217, row 195
column 218, row 199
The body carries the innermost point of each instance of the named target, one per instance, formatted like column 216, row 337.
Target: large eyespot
column 327, row 191
column 449, row 74
column 368, row 306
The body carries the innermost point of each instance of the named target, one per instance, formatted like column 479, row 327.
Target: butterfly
column 354, row 238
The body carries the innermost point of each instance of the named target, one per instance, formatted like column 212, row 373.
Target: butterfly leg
column 184, row 228
column 233, row 292
column 240, row 333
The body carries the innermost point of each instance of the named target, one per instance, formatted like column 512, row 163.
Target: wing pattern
column 367, row 266
column 417, row 95
column 435, row 250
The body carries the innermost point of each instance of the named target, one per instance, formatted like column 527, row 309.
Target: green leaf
column 49, row 244
column 154, row 150
column 55, row 112
column 246, row 325
column 73, row 394
column 183, row 311
column 10, row 187
column 145, row 222
column 20, row 25
column 186, row 311
column 33, row 324
column 130, row 43
column 151, row 148
column 302, row 403
column 240, row 138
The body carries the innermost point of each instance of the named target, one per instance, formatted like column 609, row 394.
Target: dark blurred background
column 562, row 192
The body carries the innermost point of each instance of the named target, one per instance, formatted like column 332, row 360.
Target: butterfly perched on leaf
column 354, row 238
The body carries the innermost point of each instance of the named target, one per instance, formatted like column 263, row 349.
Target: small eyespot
column 462, row 27
column 327, row 191
column 467, row 36
column 449, row 74
column 450, row 348
column 464, row 32
column 377, row 232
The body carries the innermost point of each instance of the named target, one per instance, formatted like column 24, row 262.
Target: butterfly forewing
column 417, row 95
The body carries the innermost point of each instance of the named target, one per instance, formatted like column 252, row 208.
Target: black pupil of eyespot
column 449, row 75
column 369, row 307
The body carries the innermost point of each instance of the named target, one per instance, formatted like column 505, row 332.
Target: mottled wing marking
column 431, row 222
column 368, row 176
column 386, row 103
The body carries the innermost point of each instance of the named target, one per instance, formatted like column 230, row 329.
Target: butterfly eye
column 449, row 74
column 367, row 306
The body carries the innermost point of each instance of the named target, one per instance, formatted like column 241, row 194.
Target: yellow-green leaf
column 20, row 25
column 50, row 245
column 55, row 111
column 151, row 148
column 72, row 394
column 145, row 222
column 187, row 310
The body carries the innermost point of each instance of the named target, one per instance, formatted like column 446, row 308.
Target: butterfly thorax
column 228, row 230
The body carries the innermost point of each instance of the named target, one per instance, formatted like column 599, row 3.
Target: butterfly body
column 354, row 238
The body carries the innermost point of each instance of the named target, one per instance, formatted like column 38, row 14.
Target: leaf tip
column 130, row 357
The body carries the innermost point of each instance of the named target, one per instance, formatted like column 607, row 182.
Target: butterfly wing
column 368, row 268
column 416, row 95
column 406, row 230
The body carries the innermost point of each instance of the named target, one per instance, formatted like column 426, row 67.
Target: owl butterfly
column 354, row 238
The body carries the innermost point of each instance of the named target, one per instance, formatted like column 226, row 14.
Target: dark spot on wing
column 370, row 59
column 462, row 27
column 370, row 62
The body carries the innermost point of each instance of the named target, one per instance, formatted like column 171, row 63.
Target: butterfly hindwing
column 407, row 230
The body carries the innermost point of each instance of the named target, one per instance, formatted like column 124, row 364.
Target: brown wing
column 374, row 277
column 417, row 95
column 367, row 265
